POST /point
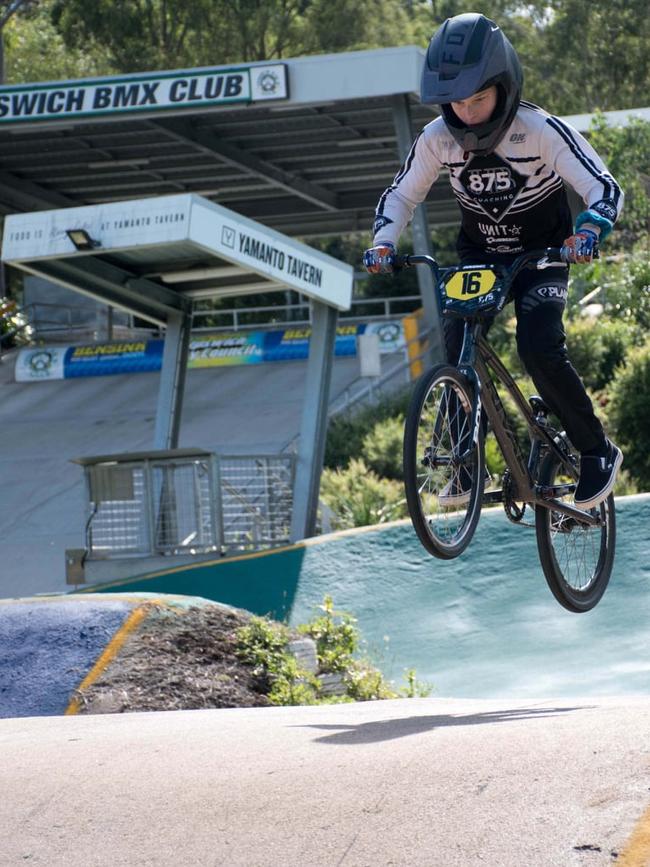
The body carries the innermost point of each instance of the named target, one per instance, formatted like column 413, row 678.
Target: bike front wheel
column 577, row 558
column 444, row 472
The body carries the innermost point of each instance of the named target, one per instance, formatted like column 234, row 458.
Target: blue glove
column 581, row 247
column 380, row 259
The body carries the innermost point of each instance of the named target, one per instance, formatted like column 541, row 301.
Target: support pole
column 172, row 380
column 313, row 429
column 421, row 238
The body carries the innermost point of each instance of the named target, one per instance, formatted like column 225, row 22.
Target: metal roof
column 313, row 163
column 306, row 148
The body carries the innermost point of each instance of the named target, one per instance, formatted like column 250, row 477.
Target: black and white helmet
column 469, row 53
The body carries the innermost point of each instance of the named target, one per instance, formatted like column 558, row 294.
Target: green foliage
column 415, row 688
column 382, row 447
column 348, row 430
column 629, row 413
column 493, row 458
column 626, row 150
column 335, row 635
column 596, row 348
column 601, row 63
column 626, row 290
column 166, row 34
column 357, row 497
column 35, row 50
column 263, row 644
column 15, row 329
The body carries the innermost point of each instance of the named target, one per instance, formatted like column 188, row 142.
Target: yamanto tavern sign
column 161, row 91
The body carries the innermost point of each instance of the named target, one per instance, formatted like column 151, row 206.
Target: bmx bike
column 444, row 446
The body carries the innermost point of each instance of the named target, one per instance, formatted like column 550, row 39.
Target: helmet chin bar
column 471, row 142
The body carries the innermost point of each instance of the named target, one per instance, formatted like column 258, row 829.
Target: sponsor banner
column 286, row 344
column 45, row 362
column 169, row 90
column 100, row 359
column 220, row 349
column 225, row 349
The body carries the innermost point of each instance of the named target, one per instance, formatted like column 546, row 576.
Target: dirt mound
column 178, row 659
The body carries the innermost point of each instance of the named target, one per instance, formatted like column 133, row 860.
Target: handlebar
column 548, row 257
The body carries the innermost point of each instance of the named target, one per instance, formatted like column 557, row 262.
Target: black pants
column 540, row 299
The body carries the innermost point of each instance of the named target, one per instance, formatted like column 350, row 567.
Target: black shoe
column 597, row 477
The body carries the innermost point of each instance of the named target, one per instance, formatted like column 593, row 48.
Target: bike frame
column 481, row 366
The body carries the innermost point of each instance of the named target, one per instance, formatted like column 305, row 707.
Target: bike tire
column 432, row 422
column 577, row 559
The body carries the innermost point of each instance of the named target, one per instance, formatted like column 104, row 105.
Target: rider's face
column 477, row 108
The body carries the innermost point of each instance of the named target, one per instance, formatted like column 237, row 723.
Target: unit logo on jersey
column 493, row 184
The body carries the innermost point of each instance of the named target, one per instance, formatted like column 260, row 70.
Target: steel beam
column 209, row 141
column 313, row 430
column 172, row 381
column 114, row 286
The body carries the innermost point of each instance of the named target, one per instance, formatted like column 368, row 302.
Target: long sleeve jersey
column 510, row 200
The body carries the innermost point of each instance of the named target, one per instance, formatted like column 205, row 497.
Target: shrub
column 263, row 644
column 347, row 431
column 382, row 447
column 626, row 290
column 597, row 347
column 358, row 497
column 629, row 413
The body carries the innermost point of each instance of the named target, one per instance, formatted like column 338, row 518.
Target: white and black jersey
column 510, row 200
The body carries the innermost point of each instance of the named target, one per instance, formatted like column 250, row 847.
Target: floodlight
column 81, row 239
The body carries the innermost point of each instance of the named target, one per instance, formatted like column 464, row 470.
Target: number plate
column 469, row 284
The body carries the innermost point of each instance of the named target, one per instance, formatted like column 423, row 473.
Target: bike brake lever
column 545, row 262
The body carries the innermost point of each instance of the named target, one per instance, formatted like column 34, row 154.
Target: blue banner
column 218, row 349
column 101, row 359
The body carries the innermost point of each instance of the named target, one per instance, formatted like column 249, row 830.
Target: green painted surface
column 262, row 584
column 483, row 625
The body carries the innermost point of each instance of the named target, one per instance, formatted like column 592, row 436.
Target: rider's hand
column 581, row 247
column 380, row 259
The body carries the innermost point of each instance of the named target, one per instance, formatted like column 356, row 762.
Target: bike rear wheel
column 577, row 558
column 437, row 431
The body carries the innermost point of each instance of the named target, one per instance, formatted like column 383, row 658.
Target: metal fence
column 186, row 502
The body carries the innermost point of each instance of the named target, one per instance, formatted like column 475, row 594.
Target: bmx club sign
column 137, row 93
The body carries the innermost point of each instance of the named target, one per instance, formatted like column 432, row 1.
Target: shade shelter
column 153, row 257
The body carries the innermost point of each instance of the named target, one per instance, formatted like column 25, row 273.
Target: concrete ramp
column 484, row 625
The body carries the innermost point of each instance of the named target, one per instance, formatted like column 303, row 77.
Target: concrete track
column 412, row 782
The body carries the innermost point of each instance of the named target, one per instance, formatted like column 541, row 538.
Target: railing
column 65, row 320
column 186, row 501
column 236, row 318
column 354, row 393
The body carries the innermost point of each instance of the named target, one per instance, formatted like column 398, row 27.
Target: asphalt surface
column 47, row 647
column 411, row 782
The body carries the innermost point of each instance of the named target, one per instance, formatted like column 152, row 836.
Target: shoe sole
column 459, row 500
column 605, row 492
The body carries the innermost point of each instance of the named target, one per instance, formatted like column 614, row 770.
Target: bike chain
column 514, row 512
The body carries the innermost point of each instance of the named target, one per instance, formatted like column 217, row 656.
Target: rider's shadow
column 386, row 730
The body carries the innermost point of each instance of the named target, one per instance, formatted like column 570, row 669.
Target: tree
column 35, row 50
column 164, row 34
column 137, row 35
column 8, row 8
column 626, row 150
